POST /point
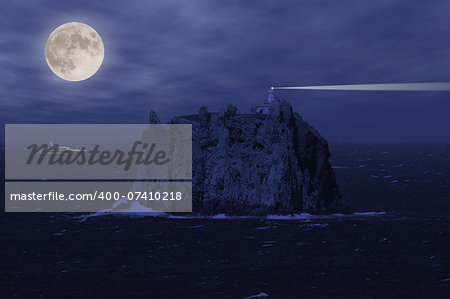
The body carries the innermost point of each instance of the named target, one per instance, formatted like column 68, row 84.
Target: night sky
column 177, row 55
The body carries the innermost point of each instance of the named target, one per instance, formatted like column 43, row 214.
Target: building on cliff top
column 264, row 108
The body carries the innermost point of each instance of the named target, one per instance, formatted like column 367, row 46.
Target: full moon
column 74, row 51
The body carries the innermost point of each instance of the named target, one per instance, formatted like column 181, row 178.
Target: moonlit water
column 407, row 243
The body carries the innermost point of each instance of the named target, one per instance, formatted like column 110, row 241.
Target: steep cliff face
column 258, row 164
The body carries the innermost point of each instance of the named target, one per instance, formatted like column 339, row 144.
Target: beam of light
column 431, row 86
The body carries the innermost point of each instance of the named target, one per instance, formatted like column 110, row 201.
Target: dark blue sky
column 177, row 55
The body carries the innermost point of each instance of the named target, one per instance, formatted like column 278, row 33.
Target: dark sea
column 395, row 244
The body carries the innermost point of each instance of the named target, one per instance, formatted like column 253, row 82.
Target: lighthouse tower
column 270, row 97
column 264, row 108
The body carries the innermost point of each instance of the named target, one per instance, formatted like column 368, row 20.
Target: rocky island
column 259, row 163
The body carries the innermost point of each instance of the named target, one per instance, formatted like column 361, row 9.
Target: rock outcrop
column 259, row 164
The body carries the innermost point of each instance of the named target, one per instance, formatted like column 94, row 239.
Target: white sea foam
column 262, row 294
column 302, row 216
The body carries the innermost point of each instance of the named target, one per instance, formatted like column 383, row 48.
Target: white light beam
column 430, row 86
